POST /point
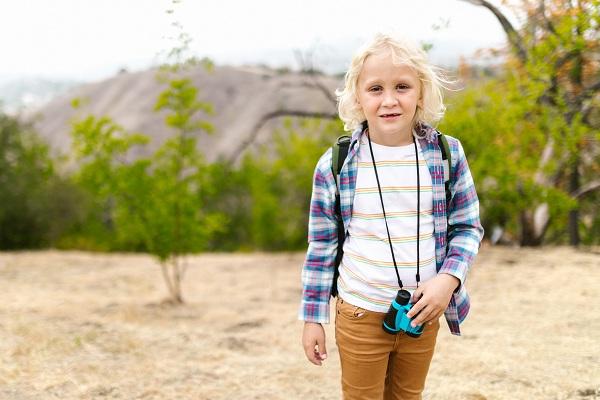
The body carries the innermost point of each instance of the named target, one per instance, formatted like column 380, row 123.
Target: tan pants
column 377, row 365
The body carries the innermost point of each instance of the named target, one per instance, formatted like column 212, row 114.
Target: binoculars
column 396, row 320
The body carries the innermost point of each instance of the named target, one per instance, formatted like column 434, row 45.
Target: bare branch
column 540, row 178
column 313, row 82
column 513, row 36
column 322, row 88
column 542, row 12
column 273, row 115
column 576, row 105
column 588, row 93
column 164, row 268
column 566, row 57
column 586, row 189
column 305, row 60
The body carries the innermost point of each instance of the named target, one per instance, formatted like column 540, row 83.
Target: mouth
column 390, row 115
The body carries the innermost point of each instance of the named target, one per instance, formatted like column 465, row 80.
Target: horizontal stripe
column 379, row 285
column 391, row 189
column 388, row 264
column 391, row 163
column 361, row 296
column 395, row 239
column 390, row 215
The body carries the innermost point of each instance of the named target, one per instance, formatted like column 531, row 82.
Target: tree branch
column 587, row 93
column 539, row 177
column 313, row 82
column 513, row 36
column 566, row 57
column 586, row 189
column 322, row 88
column 549, row 24
column 167, row 279
column 272, row 115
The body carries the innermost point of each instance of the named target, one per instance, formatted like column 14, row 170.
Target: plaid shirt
column 454, row 257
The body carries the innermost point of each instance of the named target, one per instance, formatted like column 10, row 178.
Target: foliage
column 153, row 203
column 279, row 179
column 267, row 197
column 502, row 138
column 550, row 88
column 36, row 205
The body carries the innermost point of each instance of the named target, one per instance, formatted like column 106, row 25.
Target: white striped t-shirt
column 367, row 276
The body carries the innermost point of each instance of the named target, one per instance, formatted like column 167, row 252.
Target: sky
column 88, row 40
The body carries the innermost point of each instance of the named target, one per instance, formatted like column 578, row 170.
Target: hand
column 432, row 298
column 313, row 341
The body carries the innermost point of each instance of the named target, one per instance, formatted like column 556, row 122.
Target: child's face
column 388, row 95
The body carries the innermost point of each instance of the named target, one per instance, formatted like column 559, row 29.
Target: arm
column 318, row 269
column 465, row 230
column 465, row 234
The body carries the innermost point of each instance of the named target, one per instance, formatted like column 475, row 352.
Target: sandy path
column 84, row 326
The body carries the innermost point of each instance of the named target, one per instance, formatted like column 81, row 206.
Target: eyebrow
column 399, row 80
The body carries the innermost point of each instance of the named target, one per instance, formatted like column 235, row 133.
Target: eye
column 375, row 88
column 402, row 86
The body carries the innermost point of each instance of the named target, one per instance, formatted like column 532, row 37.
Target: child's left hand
column 432, row 298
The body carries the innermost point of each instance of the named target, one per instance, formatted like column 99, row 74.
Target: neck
column 391, row 140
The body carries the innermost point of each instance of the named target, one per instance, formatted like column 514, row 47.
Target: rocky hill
column 243, row 98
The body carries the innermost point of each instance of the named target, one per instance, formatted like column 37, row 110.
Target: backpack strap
column 447, row 161
column 339, row 151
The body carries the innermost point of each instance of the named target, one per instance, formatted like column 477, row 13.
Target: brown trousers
column 377, row 365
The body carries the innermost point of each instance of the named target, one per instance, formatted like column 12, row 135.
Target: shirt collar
column 424, row 131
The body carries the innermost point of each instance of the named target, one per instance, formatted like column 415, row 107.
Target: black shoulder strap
column 339, row 151
column 447, row 161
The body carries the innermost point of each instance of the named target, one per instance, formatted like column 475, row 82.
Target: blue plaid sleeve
column 318, row 268
column 465, row 230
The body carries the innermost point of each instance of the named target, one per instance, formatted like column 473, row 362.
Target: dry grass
column 83, row 326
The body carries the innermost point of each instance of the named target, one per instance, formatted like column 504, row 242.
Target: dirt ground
column 78, row 325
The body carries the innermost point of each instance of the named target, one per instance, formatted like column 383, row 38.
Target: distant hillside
column 241, row 98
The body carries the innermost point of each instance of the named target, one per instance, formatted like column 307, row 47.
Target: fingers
column 418, row 306
column 322, row 351
column 424, row 310
column 428, row 315
column 424, row 315
column 313, row 342
column 417, row 294
column 312, row 354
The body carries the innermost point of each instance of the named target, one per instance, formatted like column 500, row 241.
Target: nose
column 389, row 99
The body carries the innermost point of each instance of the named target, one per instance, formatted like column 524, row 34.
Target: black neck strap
column 418, row 277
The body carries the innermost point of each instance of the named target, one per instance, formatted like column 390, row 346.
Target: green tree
column 553, row 68
column 266, row 196
column 502, row 140
column 279, row 181
column 155, row 202
column 36, row 205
